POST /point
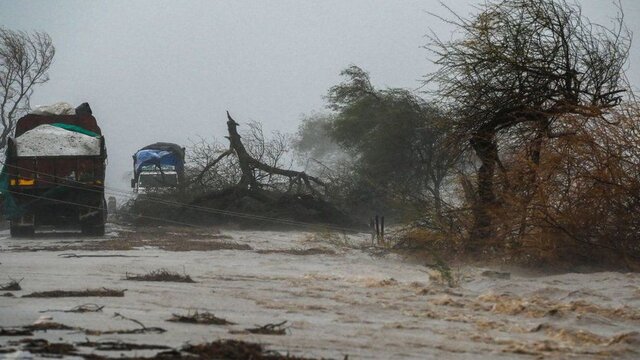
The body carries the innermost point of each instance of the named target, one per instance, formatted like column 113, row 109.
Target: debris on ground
column 141, row 330
column 205, row 318
column 269, row 329
column 42, row 346
column 231, row 350
column 101, row 292
column 161, row 275
column 496, row 274
column 79, row 309
column 15, row 332
column 220, row 349
column 301, row 252
column 48, row 325
column 6, row 350
column 71, row 255
column 146, row 330
column 8, row 294
column 164, row 238
column 120, row 346
column 13, row 285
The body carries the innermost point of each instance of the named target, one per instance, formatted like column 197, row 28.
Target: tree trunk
column 532, row 179
column 485, row 147
column 248, row 164
column 248, row 179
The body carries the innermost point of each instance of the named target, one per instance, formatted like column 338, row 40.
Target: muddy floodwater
column 337, row 296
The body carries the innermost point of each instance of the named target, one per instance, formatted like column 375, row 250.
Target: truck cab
column 158, row 167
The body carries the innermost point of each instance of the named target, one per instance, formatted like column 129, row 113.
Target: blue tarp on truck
column 165, row 158
column 160, row 159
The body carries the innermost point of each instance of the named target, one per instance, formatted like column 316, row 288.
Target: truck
column 54, row 172
column 158, row 167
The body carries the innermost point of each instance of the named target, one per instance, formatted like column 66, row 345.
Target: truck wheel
column 22, row 231
column 93, row 229
column 16, row 231
column 29, row 231
column 98, row 230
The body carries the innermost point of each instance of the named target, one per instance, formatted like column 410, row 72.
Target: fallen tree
column 252, row 187
column 249, row 165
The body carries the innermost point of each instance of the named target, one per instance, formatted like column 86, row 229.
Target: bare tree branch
column 24, row 62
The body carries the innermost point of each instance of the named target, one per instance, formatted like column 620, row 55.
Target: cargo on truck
column 158, row 167
column 54, row 171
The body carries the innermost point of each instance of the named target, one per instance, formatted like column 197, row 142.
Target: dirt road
column 337, row 297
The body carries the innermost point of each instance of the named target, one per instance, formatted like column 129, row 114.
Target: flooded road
column 337, row 296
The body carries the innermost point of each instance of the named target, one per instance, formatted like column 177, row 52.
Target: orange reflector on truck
column 23, row 182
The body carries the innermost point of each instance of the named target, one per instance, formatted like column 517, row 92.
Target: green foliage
column 398, row 139
column 314, row 138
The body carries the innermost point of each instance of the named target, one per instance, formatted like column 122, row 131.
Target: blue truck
column 158, row 167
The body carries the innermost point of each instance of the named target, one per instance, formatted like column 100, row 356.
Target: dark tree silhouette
column 524, row 65
column 24, row 62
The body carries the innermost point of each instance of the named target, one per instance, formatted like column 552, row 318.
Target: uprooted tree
column 252, row 169
column 248, row 179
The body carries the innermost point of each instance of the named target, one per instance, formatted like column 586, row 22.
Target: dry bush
column 579, row 203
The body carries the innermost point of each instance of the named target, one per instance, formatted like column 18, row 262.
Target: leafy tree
column 316, row 149
column 397, row 138
column 518, row 68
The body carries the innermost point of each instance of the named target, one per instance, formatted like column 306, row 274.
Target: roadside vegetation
column 522, row 147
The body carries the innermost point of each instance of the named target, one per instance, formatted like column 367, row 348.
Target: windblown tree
column 24, row 62
column 515, row 73
column 397, row 139
column 315, row 147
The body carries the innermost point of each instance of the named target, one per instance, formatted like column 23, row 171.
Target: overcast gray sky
column 167, row 70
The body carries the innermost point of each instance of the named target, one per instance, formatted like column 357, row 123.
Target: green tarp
column 75, row 128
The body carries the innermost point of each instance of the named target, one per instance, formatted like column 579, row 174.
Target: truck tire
column 93, row 229
column 21, row 231
column 94, row 226
column 16, row 231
